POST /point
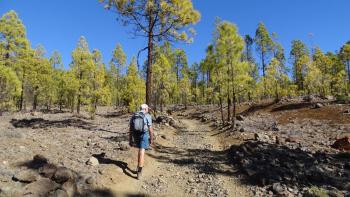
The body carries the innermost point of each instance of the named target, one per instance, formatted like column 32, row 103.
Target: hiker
column 141, row 133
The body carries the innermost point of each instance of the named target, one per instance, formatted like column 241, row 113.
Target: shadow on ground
column 204, row 160
column 293, row 106
column 265, row 164
column 121, row 164
column 262, row 164
column 42, row 123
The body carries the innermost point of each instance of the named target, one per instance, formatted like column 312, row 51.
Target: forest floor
column 281, row 149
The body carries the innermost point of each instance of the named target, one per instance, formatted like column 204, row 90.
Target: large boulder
column 42, row 187
column 26, row 176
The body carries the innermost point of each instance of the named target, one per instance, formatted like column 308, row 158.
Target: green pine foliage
column 227, row 75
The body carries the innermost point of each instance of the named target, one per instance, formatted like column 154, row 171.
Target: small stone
column 318, row 105
column 124, row 146
column 92, row 161
column 90, row 180
column 293, row 139
column 250, row 172
column 101, row 171
column 240, row 117
column 63, row 174
column 261, row 137
column 277, row 188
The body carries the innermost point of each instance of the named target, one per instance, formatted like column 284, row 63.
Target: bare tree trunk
column 21, row 104
column 221, row 108
column 35, row 100
column 149, row 62
column 234, row 109
column 228, row 108
column 79, row 92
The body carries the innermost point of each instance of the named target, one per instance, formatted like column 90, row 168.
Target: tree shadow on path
column 43, row 123
column 204, row 160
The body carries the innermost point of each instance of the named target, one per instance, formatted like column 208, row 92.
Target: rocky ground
column 281, row 149
column 285, row 149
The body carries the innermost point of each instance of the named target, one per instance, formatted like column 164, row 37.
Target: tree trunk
column 221, row 108
column 228, row 108
column 149, row 62
column 35, row 100
column 263, row 67
column 234, row 109
column 71, row 101
column 79, row 93
column 78, row 104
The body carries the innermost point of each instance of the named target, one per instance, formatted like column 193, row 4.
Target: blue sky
column 58, row 24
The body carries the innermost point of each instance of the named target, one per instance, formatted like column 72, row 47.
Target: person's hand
column 150, row 141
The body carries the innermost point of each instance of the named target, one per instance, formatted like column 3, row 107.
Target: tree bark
column 221, row 108
column 228, row 108
column 149, row 62
column 234, row 109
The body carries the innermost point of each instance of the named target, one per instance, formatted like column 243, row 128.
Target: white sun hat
column 144, row 106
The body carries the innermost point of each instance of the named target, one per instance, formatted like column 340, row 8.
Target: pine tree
column 101, row 93
column 134, row 87
column 117, row 64
column 264, row 44
column 345, row 57
column 276, row 79
column 156, row 20
column 15, row 50
column 338, row 75
column 10, row 87
column 41, row 79
column 82, row 66
column 300, row 59
column 229, row 47
column 164, row 81
column 324, row 64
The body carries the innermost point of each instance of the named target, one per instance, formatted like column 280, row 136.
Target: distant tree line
column 228, row 74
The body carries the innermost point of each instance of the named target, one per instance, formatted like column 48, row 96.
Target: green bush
column 343, row 99
column 316, row 192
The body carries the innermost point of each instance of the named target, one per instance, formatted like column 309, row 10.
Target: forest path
column 188, row 162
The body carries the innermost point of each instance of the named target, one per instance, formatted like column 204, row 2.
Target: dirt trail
column 188, row 162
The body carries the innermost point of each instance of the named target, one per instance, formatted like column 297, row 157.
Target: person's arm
column 150, row 128
column 150, row 135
